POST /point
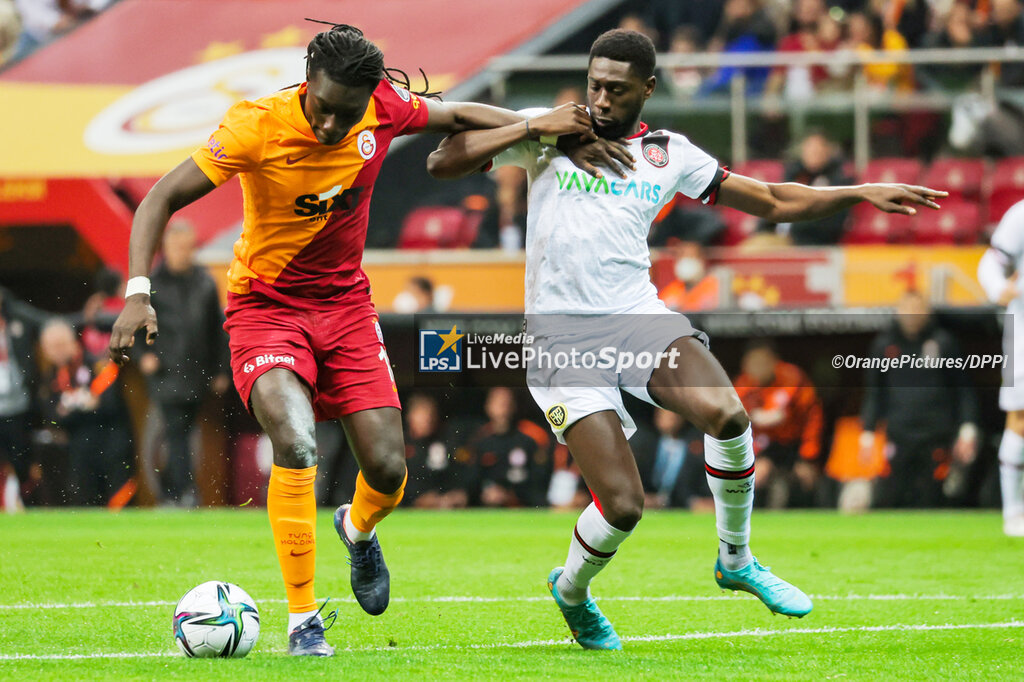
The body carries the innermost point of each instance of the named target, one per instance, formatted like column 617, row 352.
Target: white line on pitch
column 506, row 600
column 758, row 632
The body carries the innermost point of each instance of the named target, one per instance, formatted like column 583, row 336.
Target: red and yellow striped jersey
column 306, row 205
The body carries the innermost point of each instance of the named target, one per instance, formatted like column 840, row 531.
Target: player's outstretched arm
column 467, row 152
column 179, row 188
column 455, row 117
column 791, row 202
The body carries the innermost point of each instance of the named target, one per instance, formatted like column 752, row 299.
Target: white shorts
column 566, row 394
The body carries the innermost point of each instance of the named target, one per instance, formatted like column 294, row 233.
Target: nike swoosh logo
column 289, row 160
column 294, row 553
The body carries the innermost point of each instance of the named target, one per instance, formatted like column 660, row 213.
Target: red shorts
column 338, row 352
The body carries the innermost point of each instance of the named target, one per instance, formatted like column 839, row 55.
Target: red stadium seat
column 765, row 170
column 959, row 222
column 871, row 226
column 907, row 171
column 1007, row 187
column 439, row 227
column 738, row 226
column 959, row 177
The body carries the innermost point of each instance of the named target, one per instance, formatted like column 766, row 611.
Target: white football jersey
column 586, row 238
column 1008, row 239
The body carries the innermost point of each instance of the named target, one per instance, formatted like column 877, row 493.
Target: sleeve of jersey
column 234, row 147
column 1008, row 237
column 520, row 153
column 699, row 174
column 407, row 112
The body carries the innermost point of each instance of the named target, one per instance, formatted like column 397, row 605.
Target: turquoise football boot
column 588, row 625
column 778, row 595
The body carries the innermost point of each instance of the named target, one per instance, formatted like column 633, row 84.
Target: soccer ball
column 216, row 619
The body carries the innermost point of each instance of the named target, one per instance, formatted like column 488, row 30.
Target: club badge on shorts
column 557, row 414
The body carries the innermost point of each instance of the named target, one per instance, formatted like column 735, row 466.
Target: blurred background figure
column 745, row 27
column 82, row 397
column 694, row 288
column 189, row 360
column 511, row 457
column 10, row 30
column 930, row 414
column 438, row 479
column 19, row 327
column 671, row 464
column 786, row 419
column 416, row 297
column 44, row 20
column 101, row 309
column 867, row 32
column 684, row 81
column 810, row 31
column 818, row 163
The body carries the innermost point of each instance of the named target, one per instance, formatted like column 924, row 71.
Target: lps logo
column 440, row 351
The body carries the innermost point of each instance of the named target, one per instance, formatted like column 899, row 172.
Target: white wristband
column 137, row 285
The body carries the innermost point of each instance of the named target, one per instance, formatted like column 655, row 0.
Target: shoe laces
column 313, row 624
column 370, row 556
column 775, row 582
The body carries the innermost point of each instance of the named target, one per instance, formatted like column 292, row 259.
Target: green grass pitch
column 915, row 596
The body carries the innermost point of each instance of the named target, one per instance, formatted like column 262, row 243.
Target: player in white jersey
column 998, row 273
column 587, row 274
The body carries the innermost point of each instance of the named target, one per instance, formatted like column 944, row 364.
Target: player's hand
column 568, row 119
column 965, row 449
column 901, row 198
column 612, row 154
column 1010, row 291
column 137, row 313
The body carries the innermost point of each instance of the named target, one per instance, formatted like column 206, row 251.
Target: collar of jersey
column 301, row 124
column 639, row 133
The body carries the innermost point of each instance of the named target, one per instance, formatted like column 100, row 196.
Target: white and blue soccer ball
column 216, row 619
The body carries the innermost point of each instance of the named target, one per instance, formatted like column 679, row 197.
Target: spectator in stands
column 101, row 309
column 910, row 18
column 438, row 478
column 10, row 30
column 511, row 458
column 665, row 16
column 44, row 20
column 635, row 22
column 806, row 35
column 694, row 287
column 684, row 81
column 930, row 414
column 671, row 464
column 786, row 418
column 956, row 29
column 818, row 164
column 82, row 396
column 867, row 32
column 745, row 27
column 1006, row 27
column 189, row 359
column 19, row 328
column 416, row 297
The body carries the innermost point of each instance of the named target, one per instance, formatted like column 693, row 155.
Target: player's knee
column 299, row 452
column 623, row 510
column 728, row 419
column 386, row 475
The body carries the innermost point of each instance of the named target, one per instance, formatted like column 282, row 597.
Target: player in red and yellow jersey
column 305, row 342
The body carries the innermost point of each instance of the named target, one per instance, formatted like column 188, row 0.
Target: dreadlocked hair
column 345, row 56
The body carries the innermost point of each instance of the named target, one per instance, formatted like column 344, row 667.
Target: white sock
column 730, row 472
column 353, row 533
column 297, row 619
column 593, row 545
column 1011, row 473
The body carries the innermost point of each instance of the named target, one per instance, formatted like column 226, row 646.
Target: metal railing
column 861, row 99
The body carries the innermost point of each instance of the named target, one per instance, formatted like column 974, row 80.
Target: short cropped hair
column 623, row 45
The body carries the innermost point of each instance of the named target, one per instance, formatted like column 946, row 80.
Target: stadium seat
column 439, row 227
column 959, row 177
column 959, row 222
column 765, row 170
column 892, row 169
column 871, row 226
column 1007, row 187
column 738, row 226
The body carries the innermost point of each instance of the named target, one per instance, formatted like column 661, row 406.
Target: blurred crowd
column 76, row 429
